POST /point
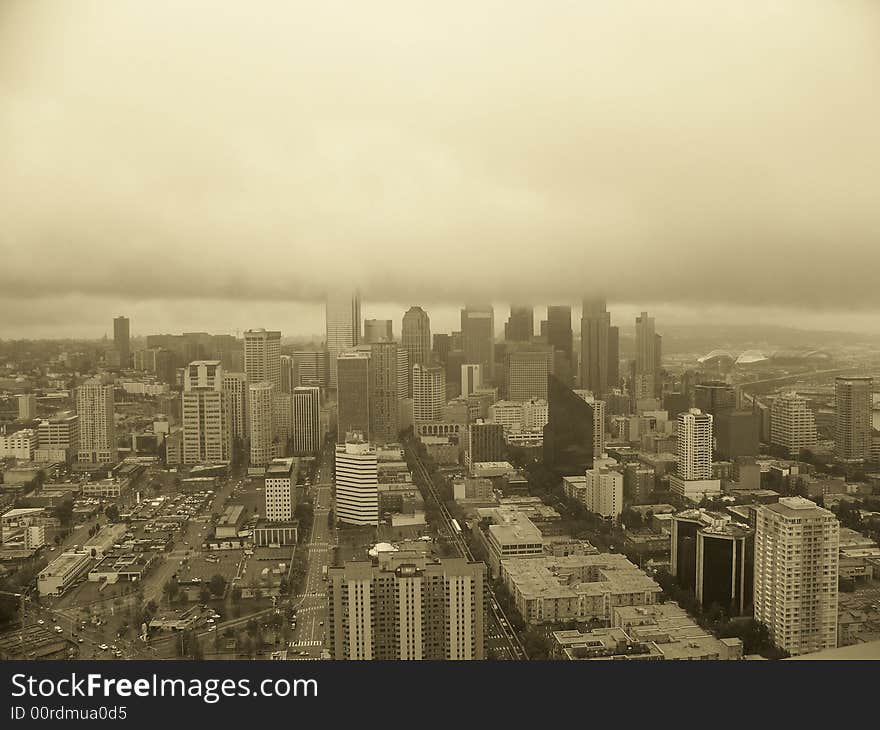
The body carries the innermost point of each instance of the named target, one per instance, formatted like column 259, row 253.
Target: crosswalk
column 295, row 644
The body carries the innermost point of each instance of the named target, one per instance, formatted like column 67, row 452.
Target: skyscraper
column 613, row 357
column 261, row 407
column 796, row 572
column 121, row 340
column 378, row 330
column 343, row 320
column 478, row 338
column 306, row 436
column 310, row 368
column 714, row 397
column 694, row 437
column 384, row 411
column 288, row 373
column 357, row 482
column 595, row 326
column 527, row 372
column 415, row 337
column 598, row 407
column 207, row 431
column 646, row 344
column 520, row 326
column 262, row 357
column 429, row 393
column 236, row 388
column 27, row 407
column 853, row 419
column 353, row 394
column 559, row 337
column 95, row 406
column 792, row 424
column 407, row 608
column 471, row 378
column 568, row 435
column 280, row 490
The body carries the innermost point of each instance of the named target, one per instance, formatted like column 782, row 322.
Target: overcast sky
column 217, row 165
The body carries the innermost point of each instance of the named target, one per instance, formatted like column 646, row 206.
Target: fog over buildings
column 219, row 166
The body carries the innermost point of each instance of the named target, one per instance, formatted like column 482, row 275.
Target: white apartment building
column 792, row 423
column 603, row 493
column 95, row 406
column 429, row 393
column 508, row 413
column 261, row 407
column 796, row 571
column 262, row 357
column 236, row 388
column 598, row 420
column 280, row 491
column 694, row 440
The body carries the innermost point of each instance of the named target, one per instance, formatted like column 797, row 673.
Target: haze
column 213, row 166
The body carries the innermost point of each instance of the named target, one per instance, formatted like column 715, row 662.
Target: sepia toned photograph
column 491, row 332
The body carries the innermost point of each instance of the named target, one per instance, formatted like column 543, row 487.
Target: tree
column 205, row 594
column 171, row 590
column 112, row 512
column 217, row 584
column 235, row 594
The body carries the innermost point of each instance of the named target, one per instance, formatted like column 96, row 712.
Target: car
column 212, row 628
column 80, row 640
column 210, row 620
column 40, row 622
column 103, row 647
column 320, row 623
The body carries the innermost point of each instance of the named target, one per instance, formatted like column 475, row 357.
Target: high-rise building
column 262, row 357
column 560, row 338
column 357, row 482
column 714, row 397
column 737, row 433
column 527, row 372
column 568, row 436
column 595, row 326
column 613, row 357
column 694, row 438
column 121, row 340
column 853, row 418
column 485, row 442
column 282, row 424
column 429, row 393
column 384, row 411
column 353, row 394
column 310, row 368
column 407, row 608
column 27, row 407
column 796, row 572
column 378, row 330
column 713, row 556
column 59, row 434
column 280, row 490
column 97, row 429
column 471, row 378
column 792, row 423
column 261, row 421
column 403, row 373
column 288, row 373
column 442, row 345
column 646, row 345
column 207, row 428
column 598, row 407
column 604, row 492
column 343, row 319
column 520, row 326
column 236, row 388
column 306, row 435
column 415, row 337
column 478, row 338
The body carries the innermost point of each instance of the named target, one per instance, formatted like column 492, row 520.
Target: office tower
column 429, row 393
column 714, row 557
column 58, row 436
column 853, row 419
column 288, row 373
column 638, row 482
column 442, row 345
column 27, row 407
column 353, row 394
column 280, row 490
column 407, row 608
column 613, row 357
column 796, row 572
column 403, row 374
column 478, row 338
column 471, row 379
column 378, row 330
column 674, row 403
column 343, row 319
column 282, row 423
column 357, row 482
column 310, row 368
column 520, row 326
column 384, row 410
column 121, row 341
column 737, row 433
column 714, row 397
column 236, row 388
column 262, row 357
column 694, row 451
column 306, row 428
column 527, row 372
column 598, row 407
column 792, row 424
column 559, row 337
column 646, row 344
column 658, row 353
column 415, row 337
column 568, row 435
column 97, row 429
column 261, row 408
column 595, row 326
column 604, row 492
column 207, row 428
column 485, row 442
